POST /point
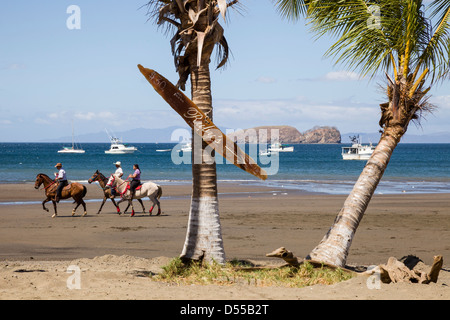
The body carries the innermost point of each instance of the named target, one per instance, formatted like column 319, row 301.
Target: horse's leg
column 54, row 207
column 116, row 205
column 142, row 204
column 130, row 203
column 156, row 202
column 84, row 207
column 75, row 209
column 101, row 206
column 44, row 202
column 122, row 200
column 153, row 205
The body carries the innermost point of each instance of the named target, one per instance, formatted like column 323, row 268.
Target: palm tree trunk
column 334, row 247
column 204, row 234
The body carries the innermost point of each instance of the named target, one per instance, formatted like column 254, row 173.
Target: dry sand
column 116, row 253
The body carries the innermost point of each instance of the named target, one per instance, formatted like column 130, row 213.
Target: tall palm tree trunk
column 204, row 236
column 334, row 247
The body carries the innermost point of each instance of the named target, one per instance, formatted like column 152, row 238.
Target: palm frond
column 436, row 53
column 291, row 9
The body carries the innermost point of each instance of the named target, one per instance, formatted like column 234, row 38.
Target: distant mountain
column 441, row 137
column 288, row 134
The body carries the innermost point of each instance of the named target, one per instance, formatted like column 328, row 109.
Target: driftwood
column 396, row 271
column 294, row 261
column 286, row 255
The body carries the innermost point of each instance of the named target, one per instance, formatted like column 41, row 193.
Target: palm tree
column 395, row 37
column 196, row 33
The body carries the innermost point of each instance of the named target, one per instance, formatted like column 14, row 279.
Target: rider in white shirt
column 119, row 171
column 62, row 179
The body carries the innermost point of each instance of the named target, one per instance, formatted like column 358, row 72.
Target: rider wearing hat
column 62, row 179
column 119, row 171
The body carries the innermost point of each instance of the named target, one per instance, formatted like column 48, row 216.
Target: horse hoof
column 159, row 212
column 54, row 215
column 132, row 214
column 84, row 214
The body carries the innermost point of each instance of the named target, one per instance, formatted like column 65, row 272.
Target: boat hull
column 119, row 151
column 71, row 151
column 356, row 156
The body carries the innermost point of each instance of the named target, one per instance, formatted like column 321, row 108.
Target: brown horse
column 102, row 180
column 75, row 190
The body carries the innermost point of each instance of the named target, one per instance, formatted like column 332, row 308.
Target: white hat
column 118, row 163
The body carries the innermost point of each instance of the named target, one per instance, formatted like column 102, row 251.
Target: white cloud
column 342, row 76
column 89, row 116
column 266, row 80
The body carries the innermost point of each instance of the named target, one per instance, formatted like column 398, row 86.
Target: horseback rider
column 117, row 173
column 62, row 179
column 136, row 179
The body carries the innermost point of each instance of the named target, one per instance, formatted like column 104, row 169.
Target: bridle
column 111, row 182
column 41, row 181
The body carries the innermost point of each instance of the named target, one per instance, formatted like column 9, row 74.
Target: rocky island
column 288, row 134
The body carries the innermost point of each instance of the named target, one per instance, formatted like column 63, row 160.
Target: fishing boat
column 357, row 151
column 118, row 147
column 73, row 148
column 276, row 148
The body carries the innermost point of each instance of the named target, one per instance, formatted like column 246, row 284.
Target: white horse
column 148, row 189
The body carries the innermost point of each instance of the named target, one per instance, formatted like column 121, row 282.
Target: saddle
column 128, row 188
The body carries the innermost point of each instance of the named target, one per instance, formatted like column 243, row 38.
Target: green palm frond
column 291, row 9
column 374, row 36
column 436, row 53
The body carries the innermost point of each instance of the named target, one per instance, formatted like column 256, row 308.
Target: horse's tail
column 84, row 191
column 159, row 193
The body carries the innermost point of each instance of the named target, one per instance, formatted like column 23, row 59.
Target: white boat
column 275, row 148
column 357, row 151
column 186, row 147
column 118, row 147
column 71, row 149
column 267, row 153
column 278, row 147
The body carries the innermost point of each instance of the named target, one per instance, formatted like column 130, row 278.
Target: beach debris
column 409, row 270
column 294, row 261
column 286, row 255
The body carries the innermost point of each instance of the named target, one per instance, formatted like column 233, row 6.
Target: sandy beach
column 116, row 253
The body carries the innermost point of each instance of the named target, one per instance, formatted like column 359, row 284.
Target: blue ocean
column 414, row 168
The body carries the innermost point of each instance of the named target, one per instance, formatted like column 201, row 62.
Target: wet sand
column 255, row 221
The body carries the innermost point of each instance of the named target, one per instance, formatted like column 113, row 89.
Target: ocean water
column 414, row 168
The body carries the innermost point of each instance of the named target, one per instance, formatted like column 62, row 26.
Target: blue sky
column 51, row 75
